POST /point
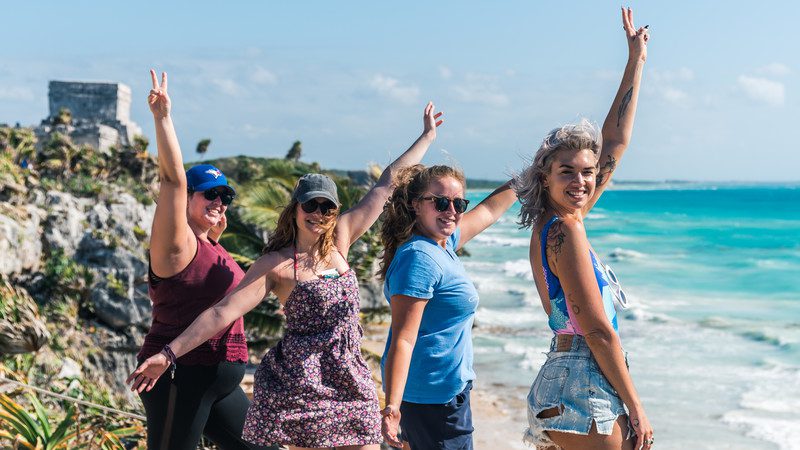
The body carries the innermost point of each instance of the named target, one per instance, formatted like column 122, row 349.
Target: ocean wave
column 769, row 408
column 783, row 432
column 509, row 318
column 501, row 241
column 532, row 357
column 520, row 268
column 622, row 254
column 596, row 216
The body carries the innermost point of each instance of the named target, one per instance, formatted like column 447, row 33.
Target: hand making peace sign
column 158, row 99
column 637, row 39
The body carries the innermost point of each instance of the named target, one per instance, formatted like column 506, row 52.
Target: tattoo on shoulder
column 555, row 238
column 623, row 105
column 605, row 171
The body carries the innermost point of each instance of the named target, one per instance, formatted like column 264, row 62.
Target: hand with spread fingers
column 158, row 99
column 429, row 120
column 637, row 38
column 146, row 375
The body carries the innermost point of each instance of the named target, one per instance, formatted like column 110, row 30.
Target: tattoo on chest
column 623, row 105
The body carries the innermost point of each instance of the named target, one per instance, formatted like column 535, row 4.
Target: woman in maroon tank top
column 313, row 389
column 190, row 272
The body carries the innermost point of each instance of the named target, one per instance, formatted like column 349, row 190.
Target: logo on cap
column 214, row 172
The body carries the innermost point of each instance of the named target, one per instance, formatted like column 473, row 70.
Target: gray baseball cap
column 313, row 185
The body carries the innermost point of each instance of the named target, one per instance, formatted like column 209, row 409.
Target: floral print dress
column 313, row 389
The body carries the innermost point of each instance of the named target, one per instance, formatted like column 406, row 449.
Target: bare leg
column 594, row 440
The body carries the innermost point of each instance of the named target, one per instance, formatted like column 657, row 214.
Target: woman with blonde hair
column 427, row 365
column 579, row 397
column 313, row 389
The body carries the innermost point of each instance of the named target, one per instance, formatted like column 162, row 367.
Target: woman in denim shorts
column 579, row 398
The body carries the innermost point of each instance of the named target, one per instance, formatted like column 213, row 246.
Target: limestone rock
column 20, row 246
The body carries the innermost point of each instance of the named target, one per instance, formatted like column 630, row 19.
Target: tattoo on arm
column 623, row 105
column 575, row 309
column 555, row 239
column 605, row 172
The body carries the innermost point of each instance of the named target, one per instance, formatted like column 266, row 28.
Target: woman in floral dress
column 313, row 389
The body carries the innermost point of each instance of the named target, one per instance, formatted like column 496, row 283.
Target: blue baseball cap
column 203, row 177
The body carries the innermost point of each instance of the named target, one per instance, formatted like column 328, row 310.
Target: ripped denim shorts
column 571, row 381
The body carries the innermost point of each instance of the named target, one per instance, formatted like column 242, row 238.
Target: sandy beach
column 499, row 420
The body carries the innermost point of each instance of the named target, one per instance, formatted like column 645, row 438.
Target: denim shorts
column 572, row 382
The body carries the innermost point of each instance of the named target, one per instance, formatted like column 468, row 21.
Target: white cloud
column 15, row 93
column 481, row 89
column 671, row 76
column 665, row 83
column 391, row 88
column 762, row 90
column 263, row 76
column 445, row 72
column 674, row 95
column 227, row 86
column 775, row 69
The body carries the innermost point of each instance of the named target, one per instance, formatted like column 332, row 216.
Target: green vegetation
column 62, row 286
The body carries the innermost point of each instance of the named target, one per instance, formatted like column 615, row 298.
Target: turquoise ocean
column 713, row 272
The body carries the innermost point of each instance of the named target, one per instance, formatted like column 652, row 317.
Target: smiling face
column 204, row 213
column 435, row 224
column 570, row 182
column 314, row 222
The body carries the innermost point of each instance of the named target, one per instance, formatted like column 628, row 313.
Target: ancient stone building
column 100, row 114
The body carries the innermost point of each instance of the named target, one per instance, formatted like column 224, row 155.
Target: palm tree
column 295, row 152
column 202, row 147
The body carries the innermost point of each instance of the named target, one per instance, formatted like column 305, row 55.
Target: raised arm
column 172, row 243
column 253, row 288
column 618, row 126
column 486, row 213
column 568, row 247
column 406, row 319
column 357, row 220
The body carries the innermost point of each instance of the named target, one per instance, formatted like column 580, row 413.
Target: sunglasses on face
column 324, row 207
column 442, row 204
column 620, row 298
column 225, row 196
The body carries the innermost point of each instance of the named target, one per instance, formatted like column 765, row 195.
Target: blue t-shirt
column 441, row 363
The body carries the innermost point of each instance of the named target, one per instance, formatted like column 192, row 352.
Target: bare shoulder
column 565, row 234
column 270, row 264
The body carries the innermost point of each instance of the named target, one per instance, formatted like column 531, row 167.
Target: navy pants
column 438, row 426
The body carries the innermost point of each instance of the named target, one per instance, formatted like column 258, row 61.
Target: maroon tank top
column 179, row 299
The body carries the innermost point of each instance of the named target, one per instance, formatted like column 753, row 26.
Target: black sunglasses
column 324, row 207
column 442, row 204
column 225, row 195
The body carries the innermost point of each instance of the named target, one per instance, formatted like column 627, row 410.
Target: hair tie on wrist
column 172, row 359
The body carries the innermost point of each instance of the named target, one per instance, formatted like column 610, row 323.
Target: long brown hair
column 399, row 218
column 285, row 233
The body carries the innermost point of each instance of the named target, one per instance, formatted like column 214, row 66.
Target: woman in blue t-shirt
column 433, row 305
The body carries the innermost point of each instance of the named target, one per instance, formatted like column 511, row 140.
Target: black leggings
column 207, row 401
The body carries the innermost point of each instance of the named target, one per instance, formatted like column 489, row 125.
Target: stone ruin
column 100, row 114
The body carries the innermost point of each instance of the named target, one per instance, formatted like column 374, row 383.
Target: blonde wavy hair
column 529, row 184
column 399, row 218
column 285, row 233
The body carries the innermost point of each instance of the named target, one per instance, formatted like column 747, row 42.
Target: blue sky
column 350, row 79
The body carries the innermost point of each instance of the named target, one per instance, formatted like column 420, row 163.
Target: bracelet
column 172, row 359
